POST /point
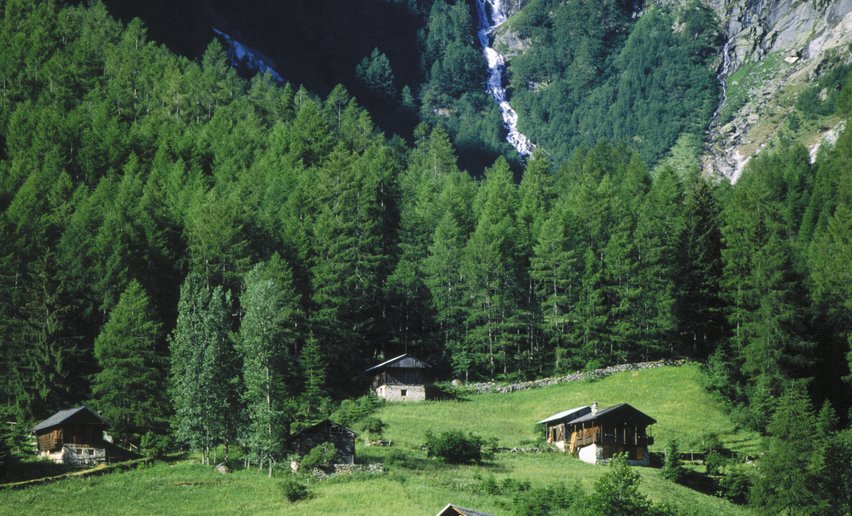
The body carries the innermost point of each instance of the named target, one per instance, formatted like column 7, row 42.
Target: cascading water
column 751, row 11
column 491, row 15
column 241, row 55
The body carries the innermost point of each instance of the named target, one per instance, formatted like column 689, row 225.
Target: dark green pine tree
column 375, row 72
column 701, row 318
column 536, row 194
column 349, row 257
column 788, row 473
column 556, row 272
column 492, row 280
column 314, row 403
column 422, row 186
column 442, row 269
column 270, row 334
column 659, row 240
column 129, row 389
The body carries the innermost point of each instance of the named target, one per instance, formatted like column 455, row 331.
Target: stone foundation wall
column 401, row 392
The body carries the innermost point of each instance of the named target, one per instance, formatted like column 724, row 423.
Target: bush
column 617, row 491
column 351, row 411
column 155, row 446
column 320, row 456
column 455, row 447
column 294, row 490
column 373, row 426
column 555, row 499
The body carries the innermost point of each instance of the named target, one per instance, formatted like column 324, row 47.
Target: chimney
column 594, row 407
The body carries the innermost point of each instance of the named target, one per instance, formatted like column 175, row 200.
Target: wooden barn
column 404, row 378
column 597, row 435
column 325, row 432
column 74, row 437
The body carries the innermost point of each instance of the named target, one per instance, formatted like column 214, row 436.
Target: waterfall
column 747, row 18
column 722, row 76
column 241, row 55
column 490, row 18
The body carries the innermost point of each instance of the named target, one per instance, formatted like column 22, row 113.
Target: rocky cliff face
column 774, row 49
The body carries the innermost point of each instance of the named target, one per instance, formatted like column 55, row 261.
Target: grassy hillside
column 671, row 395
column 414, row 484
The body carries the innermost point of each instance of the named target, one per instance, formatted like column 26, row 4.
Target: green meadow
column 413, row 483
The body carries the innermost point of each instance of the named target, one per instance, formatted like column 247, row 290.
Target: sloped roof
column 568, row 415
column 622, row 411
column 319, row 425
column 404, row 360
column 64, row 415
column 455, row 510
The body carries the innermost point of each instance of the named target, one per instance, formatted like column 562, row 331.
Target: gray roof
column 628, row 410
column 576, row 412
column 404, row 360
column 63, row 415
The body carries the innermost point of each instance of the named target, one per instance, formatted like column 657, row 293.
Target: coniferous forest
column 175, row 239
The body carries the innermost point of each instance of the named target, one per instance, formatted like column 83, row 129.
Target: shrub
column 455, row 447
column 555, row 499
column 155, row 446
column 351, row 411
column 373, row 426
column 320, row 456
column 294, row 490
column 617, row 491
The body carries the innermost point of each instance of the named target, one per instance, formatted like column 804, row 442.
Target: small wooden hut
column 325, row 432
column 597, row 435
column 73, row 436
column 403, row 378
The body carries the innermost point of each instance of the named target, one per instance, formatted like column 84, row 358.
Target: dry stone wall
column 485, row 387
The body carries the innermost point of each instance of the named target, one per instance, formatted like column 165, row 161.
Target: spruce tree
column 129, row 388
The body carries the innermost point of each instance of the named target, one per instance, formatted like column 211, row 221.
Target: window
column 404, row 392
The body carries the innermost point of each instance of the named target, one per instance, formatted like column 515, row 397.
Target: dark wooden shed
column 73, row 436
column 598, row 435
column 403, row 378
column 326, row 431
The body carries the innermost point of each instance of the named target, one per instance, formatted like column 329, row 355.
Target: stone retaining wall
column 485, row 387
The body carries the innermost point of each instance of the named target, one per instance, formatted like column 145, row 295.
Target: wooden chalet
column 403, row 378
column 597, row 435
column 326, row 431
column 73, row 436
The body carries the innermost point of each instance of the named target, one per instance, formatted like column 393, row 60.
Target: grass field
column 420, row 486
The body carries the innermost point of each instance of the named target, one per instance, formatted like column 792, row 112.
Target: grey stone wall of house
column 401, row 392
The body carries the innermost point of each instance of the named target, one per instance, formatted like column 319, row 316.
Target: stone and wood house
column 326, row 431
column 73, row 437
column 597, row 435
column 404, row 378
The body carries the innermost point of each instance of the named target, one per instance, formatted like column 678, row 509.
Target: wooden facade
column 327, row 431
column 597, row 435
column 404, row 378
column 73, row 436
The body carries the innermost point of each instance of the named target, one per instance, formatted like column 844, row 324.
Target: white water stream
column 492, row 14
